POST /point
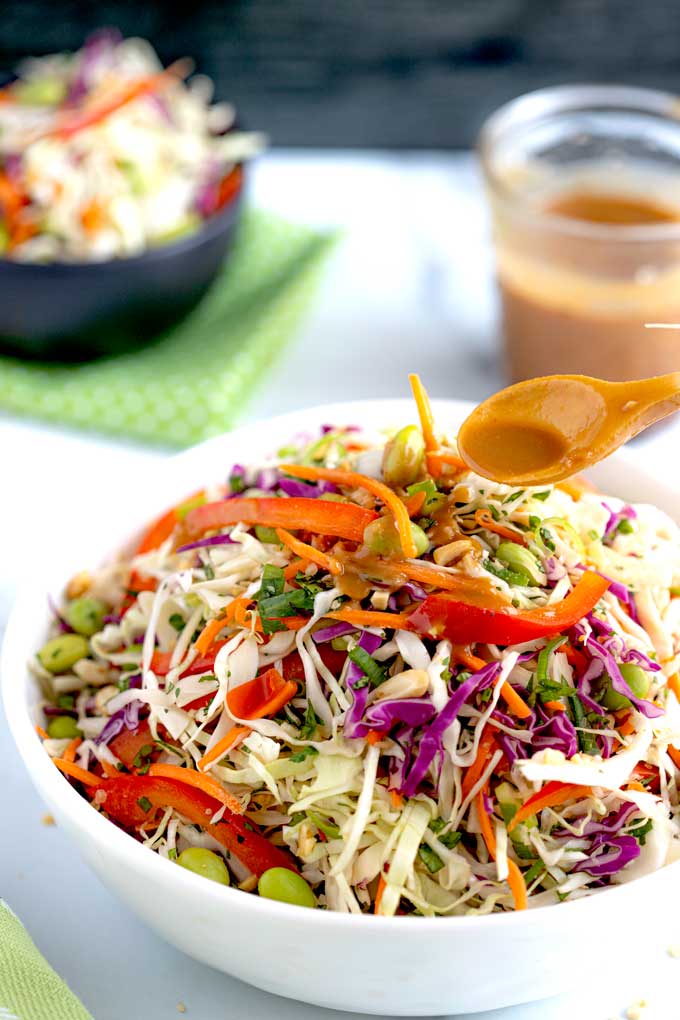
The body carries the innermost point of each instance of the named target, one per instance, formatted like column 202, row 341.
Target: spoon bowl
column 546, row 429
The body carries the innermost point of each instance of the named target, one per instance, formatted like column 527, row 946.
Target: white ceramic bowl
column 399, row 966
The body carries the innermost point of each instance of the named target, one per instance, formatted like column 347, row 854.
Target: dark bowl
column 82, row 310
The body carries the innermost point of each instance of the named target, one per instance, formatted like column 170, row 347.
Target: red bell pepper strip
column 126, row 798
column 323, row 517
column 127, row 745
column 160, row 661
column 263, row 696
column 444, row 615
column 293, row 669
column 164, row 525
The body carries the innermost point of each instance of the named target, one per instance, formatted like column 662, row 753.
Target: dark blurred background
column 375, row 73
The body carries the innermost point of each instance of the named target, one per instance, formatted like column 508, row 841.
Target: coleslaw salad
column 105, row 153
column 343, row 718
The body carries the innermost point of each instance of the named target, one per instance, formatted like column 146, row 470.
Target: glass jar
column 584, row 186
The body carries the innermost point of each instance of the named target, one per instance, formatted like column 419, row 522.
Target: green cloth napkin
column 193, row 382
column 29, row 988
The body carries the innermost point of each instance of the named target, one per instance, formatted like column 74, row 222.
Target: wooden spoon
column 545, row 429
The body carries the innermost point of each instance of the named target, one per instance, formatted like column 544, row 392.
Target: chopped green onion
column 306, row 752
column 177, row 621
column 520, row 560
column 323, row 825
column 144, row 803
column 308, row 728
column 368, row 666
column 430, row 859
column 267, row 535
column 586, row 740
column 541, row 495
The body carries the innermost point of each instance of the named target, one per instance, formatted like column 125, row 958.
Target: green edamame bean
column 63, row 727
column 63, row 651
column 86, row 615
column 287, row 887
column 403, row 457
column 205, row 863
column 382, row 537
column 638, row 681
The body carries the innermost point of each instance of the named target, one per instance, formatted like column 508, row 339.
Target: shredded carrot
column 379, row 895
column 374, row 736
column 209, row 633
column 75, row 772
column 487, row 745
column 70, row 752
column 552, row 795
column 424, row 412
column 371, row 618
column 575, row 657
column 292, row 569
column 485, row 520
column 414, row 504
column 229, row 740
column 429, row 573
column 353, row 479
column 674, row 755
column 43, row 734
column 110, row 771
column 626, row 726
column 92, row 217
column 554, row 706
column 207, row 784
column 515, row 878
column 436, row 461
column 673, row 684
column 302, row 549
column 485, row 823
column 396, row 799
column 509, row 695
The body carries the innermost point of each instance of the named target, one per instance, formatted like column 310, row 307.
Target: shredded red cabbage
column 609, row 855
column 203, row 542
column 124, row 718
column 413, row 711
column 615, row 518
column 431, row 739
column 353, row 726
column 335, row 630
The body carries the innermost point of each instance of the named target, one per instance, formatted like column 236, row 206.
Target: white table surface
column 410, row 287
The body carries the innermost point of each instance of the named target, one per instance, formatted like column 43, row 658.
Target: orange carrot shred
column 110, row 771
column 229, row 740
column 673, row 684
column 374, row 736
column 43, row 734
column 487, row 745
column 674, row 755
column 552, row 795
column 486, row 521
column 396, row 799
column 414, row 504
column 371, row 618
column 205, row 783
column 515, row 877
column 69, row 768
column 353, row 479
column 208, row 634
column 70, row 752
column 379, row 895
column 302, row 549
column 424, row 412
column 554, row 706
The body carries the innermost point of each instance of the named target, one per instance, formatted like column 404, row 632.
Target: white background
column 409, row 288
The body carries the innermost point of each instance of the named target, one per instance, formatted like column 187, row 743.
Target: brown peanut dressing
column 576, row 299
column 608, row 208
column 544, row 430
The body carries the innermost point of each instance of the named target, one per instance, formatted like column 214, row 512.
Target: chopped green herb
column 547, row 539
column 430, row 859
column 541, row 495
column 450, row 839
column 308, row 728
column 272, row 582
column 586, row 740
column 144, row 803
column 66, row 701
column 495, row 512
column 209, row 572
column 536, row 869
column 306, row 752
column 436, row 825
column 172, row 854
column 642, row 831
column 624, row 527
column 515, row 496
column 524, row 852
column 123, row 683
column 534, row 522
column 329, row 829
column 298, row 817
column 368, row 666
column 177, row 621
column 237, row 482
